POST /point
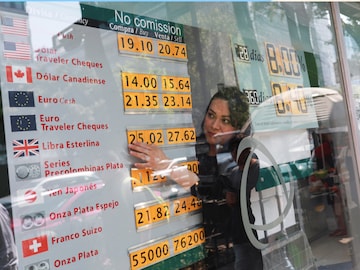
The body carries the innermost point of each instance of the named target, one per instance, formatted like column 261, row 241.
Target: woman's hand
column 154, row 158
column 182, row 176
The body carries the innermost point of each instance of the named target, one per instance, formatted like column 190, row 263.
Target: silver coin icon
column 39, row 219
column 27, row 222
column 34, row 171
column 22, row 172
column 32, row 267
column 44, row 265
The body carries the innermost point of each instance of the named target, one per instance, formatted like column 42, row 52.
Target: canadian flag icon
column 34, row 245
column 18, row 74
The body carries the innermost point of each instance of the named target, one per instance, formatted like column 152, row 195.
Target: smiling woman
column 227, row 112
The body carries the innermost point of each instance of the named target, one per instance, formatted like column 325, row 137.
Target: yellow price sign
column 188, row 240
column 186, row 205
column 150, row 136
column 133, row 100
column 140, row 100
column 192, row 166
column 282, row 60
column 143, row 177
column 135, row 44
column 288, row 102
column 176, row 101
column 298, row 100
column 138, row 81
column 152, row 214
column 180, row 135
column 184, row 101
column 171, row 49
column 172, row 83
column 149, row 255
column 151, row 101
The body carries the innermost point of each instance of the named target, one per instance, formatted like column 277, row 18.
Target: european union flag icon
column 23, row 122
column 21, row 99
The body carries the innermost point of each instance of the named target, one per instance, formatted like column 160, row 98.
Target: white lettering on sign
column 121, row 17
column 83, row 21
column 121, row 28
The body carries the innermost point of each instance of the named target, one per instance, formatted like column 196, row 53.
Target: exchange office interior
column 82, row 80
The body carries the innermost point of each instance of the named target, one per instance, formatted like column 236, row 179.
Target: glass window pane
column 160, row 135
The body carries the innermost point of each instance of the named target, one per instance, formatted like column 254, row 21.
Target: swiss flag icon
column 18, row 74
column 34, row 245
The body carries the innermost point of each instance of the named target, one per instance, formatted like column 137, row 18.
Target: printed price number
column 180, row 135
column 192, row 166
column 143, row 177
column 188, row 240
column 171, row 49
column 151, row 136
column 152, row 214
column 137, row 81
column 288, row 102
column 177, row 101
column 140, row 100
column 252, row 97
column 241, row 52
column 186, row 205
column 171, row 83
column 135, row 44
column 149, row 255
column 282, row 61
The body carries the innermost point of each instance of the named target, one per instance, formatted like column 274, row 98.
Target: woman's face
column 217, row 121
